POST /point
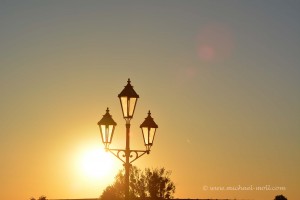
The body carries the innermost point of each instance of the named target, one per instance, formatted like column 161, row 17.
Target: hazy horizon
column 221, row 79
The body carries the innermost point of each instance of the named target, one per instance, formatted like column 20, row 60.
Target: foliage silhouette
column 153, row 183
column 40, row 198
column 280, row 197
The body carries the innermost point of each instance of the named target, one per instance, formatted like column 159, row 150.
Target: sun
column 96, row 164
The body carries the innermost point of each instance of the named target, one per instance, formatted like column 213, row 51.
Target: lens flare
column 215, row 42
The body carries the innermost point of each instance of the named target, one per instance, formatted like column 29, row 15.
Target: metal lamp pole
column 127, row 164
column 128, row 99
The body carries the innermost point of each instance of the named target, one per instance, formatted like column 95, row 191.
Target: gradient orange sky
column 221, row 79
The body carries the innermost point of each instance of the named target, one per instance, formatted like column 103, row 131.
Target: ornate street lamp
column 148, row 129
column 128, row 99
column 107, row 127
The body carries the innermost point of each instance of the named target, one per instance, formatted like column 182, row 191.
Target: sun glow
column 96, row 164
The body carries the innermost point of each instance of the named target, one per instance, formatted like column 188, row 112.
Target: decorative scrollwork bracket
column 133, row 154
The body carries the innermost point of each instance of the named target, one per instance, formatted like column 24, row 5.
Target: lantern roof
column 149, row 122
column 107, row 119
column 128, row 91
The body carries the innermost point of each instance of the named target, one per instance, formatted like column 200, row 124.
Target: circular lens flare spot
column 215, row 42
column 206, row 52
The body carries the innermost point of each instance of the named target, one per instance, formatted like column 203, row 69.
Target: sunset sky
column 221, row 78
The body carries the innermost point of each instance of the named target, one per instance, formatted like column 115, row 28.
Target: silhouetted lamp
column 148, row 129
column 107, row 127
column 128, row 98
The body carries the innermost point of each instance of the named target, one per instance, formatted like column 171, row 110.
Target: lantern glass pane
column 110, row 132
column 146, row 135
column 131, row 105
column 151, row 135
column 103, row 133
column 124, row 105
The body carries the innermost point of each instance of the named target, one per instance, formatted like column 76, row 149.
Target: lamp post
column 128, row 99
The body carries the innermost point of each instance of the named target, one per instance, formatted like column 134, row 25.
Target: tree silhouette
column 159, row 183
column 280, row 197
column 40, row 198
column 154, row 183
column 112, row 192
